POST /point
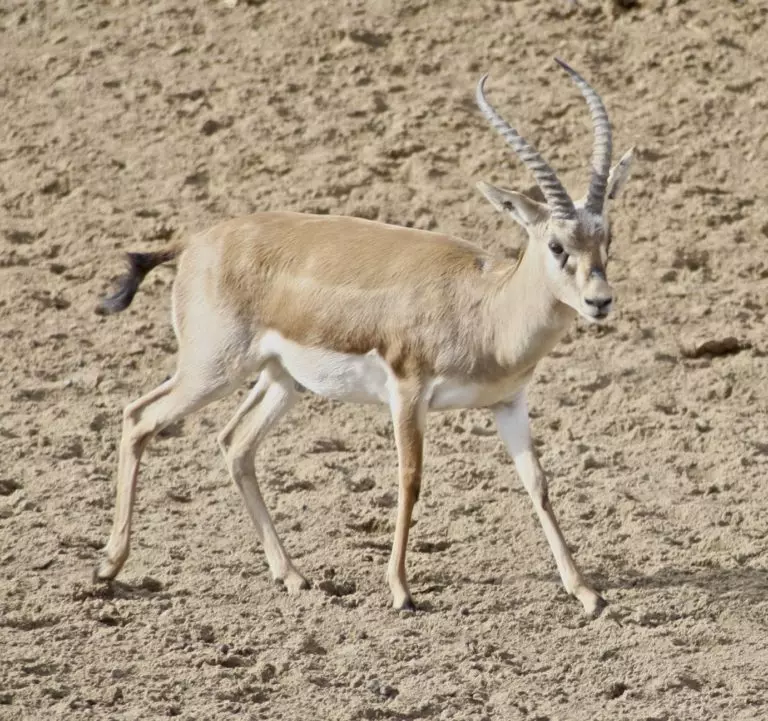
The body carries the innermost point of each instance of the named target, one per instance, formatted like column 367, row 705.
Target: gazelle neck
column 528, row 320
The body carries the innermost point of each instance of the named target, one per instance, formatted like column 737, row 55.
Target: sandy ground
column 126, row 124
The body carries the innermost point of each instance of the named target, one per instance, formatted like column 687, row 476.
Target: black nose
column 599, row 303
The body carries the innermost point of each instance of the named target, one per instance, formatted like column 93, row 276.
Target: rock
column 58, row 186
column 177, row 49
column 327, row 445
column 205, row 633
column 309, row 645
column 9, row 486
column 616, row 689
column 266, row 672
column 109, row 618
column 614, row 8
column 431, row 546
column 370, row 38
column 198, row 178
column 360, row 485
column 687, row 680
column 370, row 525
column 337, row 588
column 590, row 462
column 715, row 347
column 232, row 661
column 42, row 565
column 151, row 584
column 388, row 499
column 669, row 276
column 476, row 430
column 210, row 126
column 180, row 495
column 99, row 421
column 72, row 448
column 702, row 425
column 19, row 237
column 379, row 103
column 382, row 689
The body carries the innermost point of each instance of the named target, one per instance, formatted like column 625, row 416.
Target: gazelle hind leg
column 269, row 400
column 142, row 419
column 408, row 409
column 514, row 429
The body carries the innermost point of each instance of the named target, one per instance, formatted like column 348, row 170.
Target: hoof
column 594, row 607
column 407, row 605
column 293, row 582
column 104, row 572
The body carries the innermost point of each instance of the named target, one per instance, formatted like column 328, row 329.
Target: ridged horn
column 603, row 145
column 560, row 203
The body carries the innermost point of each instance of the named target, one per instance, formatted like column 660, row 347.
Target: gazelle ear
column 521, row 208
column 619, row 175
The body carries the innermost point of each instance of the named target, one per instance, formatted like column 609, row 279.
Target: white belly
column 340, row 376
column 368, row 378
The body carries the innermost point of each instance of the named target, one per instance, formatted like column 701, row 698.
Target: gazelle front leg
column 514, row 428
column 408, row 408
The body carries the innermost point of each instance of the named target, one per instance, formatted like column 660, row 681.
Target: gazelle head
column 571, row 240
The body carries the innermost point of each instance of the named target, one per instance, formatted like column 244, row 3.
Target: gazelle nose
column 599, row 304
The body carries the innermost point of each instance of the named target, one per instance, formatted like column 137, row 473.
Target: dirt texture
column 127, row 124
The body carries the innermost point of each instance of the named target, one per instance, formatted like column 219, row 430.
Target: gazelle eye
column 556, row 248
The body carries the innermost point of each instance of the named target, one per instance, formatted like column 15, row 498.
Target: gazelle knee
column 136, row 438
column 135, row 431
column 238, row 457
column 130, row 418
column 223, row 439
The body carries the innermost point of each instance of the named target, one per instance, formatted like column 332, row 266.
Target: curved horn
column 560, row 203
column 601, row 152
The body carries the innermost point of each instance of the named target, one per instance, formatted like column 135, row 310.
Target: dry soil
column 126, row 124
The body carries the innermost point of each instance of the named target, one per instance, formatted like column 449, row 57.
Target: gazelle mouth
column 596, row 316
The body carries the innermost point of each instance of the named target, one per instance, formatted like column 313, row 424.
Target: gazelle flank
column 365, row 312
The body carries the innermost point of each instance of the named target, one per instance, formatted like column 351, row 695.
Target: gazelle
column 365, row 312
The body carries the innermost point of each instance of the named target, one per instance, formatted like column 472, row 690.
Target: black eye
column 556, row 248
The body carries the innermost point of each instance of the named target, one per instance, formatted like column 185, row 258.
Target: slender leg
column 514, row 428
column 268, row 401
column 408, row 415
column 142, row 419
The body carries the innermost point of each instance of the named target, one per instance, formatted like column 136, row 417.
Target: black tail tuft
column 139, row 264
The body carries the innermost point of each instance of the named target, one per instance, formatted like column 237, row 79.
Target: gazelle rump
column 366, row 312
